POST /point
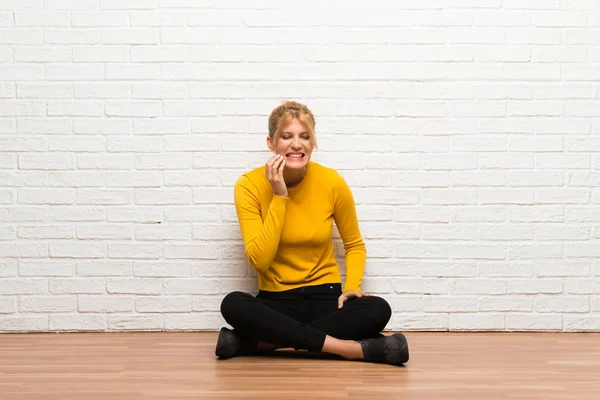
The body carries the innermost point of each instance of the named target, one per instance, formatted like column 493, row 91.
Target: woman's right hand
column 275, row 166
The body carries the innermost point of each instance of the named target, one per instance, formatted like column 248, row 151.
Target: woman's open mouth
column 295, row 156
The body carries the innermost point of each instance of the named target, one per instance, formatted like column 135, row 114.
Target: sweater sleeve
column 261, row 239
column 346, row 220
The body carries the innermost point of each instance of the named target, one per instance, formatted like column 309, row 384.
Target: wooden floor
column 183, row 366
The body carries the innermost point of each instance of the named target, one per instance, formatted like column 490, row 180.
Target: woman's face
column 295, row 144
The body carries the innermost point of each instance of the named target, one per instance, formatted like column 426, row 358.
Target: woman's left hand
column 349, row 294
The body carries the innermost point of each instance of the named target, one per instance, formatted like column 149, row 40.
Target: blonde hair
column 283, row 115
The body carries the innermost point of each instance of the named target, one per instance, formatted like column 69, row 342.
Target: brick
column 510, row 304
column 22, row 108
column 103, row 268
column 477, row 178
column 502, row 54
column 161, row 269
column 46, row 232
column 505, row 232
column 135, row 250
column 94, row 54
column 160, row 53
column 582, row 286
column 8, row 161
column 77, row 249
column 448, row 196
column 450, row 304
column 420, row 322
column 79, row 144
column 75, row 109
column 534, row 178
column 99, row 18
column 562, row 268
column 163, row 18
column 46, row 53
column 163, row 196
column 105, row 304
column 76, row 179
column 135, row 286
column 72, row 4
column 8, row 306
column 138, row 214
column 192, row 143
column 534, row 322
column 45, row 126
column 562, row 196
column 477, row 251
column 192, row 178
column 187, row 322
column 503, row 269
column 132, row 72
column 563, row 303
column 8, row 268
column 21, row 72
column 191, row 286
column 478, row 286
column 24, row 286
column 506, row 196
column 105, row 162
column 103, row 196
column 44, row 90
column 8, row 232
column 161, row 126
column 133, row 109
column 164, row 232
column 48, row 304
column 582, row 250
column 136, row 322
column 72, row 37
column 134, row 179
column 535, row 213
column 37, row 19
column 101, row 127
column 201, row 213
column 101, row 231
column 75, row 213
column 388, row 196
column 137, row 36
column 138, row 144
column 476, row 322
column 24, row 323
column 18, row 214
column 163, row 304
column 190, row 251
column 456, row 161
column 77, row 323
column 172, row 90
column 7, row 196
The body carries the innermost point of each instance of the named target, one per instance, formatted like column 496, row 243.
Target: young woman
column 285, row 211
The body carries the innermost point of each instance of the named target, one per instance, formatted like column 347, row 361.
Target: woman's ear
column 270, row 143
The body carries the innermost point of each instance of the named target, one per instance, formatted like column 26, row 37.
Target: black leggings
column 302, row 317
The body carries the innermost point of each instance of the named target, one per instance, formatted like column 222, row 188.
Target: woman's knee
column 379, row 309
column 231, row 303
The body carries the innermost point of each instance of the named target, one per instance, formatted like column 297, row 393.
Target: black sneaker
column 387, row 349
column 231, row 343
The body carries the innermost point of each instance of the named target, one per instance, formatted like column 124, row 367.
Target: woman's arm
column 344, row 214
column 261, row 239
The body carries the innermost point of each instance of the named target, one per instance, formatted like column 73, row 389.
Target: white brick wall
column 468, row 130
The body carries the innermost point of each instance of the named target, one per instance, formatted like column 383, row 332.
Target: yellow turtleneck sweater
column 288, row 239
